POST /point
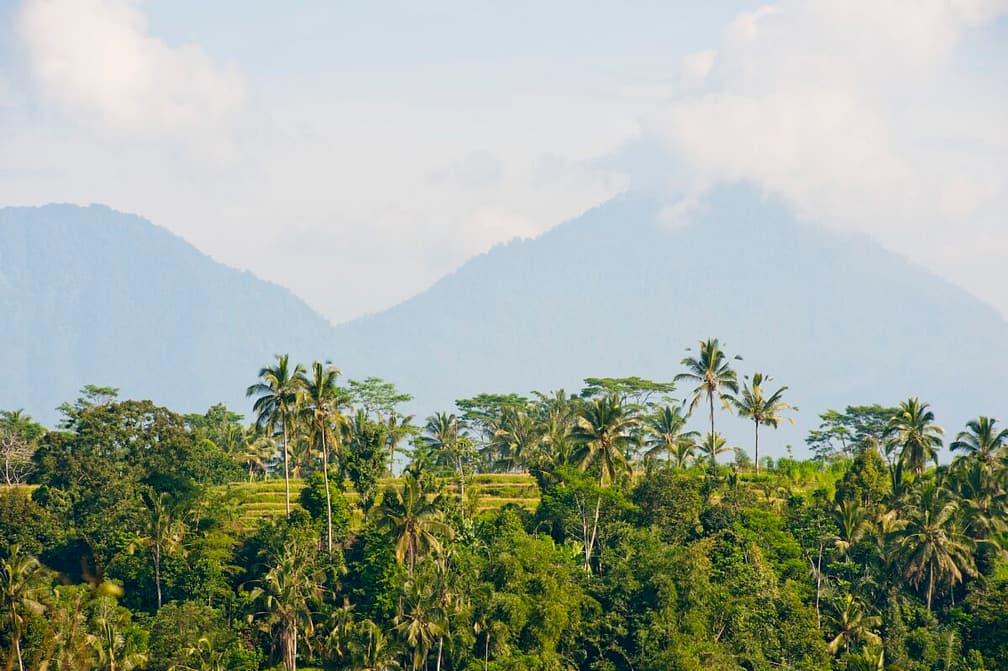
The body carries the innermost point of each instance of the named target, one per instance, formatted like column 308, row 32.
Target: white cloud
column 861, row 116
column 97, row 58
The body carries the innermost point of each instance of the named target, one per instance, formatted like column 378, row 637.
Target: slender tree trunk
column 594, row 534
column 930, row 584
column 486, row 652
column 757, row 446
column 710, row 397
column 17, row 646
column 157, row 572
column 818, row 586
column 328, row 497
column 286, row 472
column 440, row 646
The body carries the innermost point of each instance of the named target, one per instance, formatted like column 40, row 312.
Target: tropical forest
column 614, row 527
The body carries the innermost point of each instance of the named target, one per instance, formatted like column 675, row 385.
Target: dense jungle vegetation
column 652, row 547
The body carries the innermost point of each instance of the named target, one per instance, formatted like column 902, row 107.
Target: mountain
column 617, row 292
column 90, row 295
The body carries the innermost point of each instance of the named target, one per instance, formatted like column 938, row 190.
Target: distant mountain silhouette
column 617, row 292
column 89, row 295
column 94, row 296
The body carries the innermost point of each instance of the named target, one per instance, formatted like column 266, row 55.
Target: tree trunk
column 486, row 652
column 286, row 472
column 757, row 446
column 157, row 572
column 328, row 497
column 440, row 647
column 930, row 584
column 17, row 647
column 710, row 397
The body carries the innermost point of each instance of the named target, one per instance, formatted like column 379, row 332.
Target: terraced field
column 265, row 498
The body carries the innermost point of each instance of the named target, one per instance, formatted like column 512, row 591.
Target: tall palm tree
column 289, row 592
column 21, row 583
column 931, row 543
column 914, row 432
column 603, row 432
column 165, row 531
column 420, row 621
column 853, row 524
column 277, row 395
column 713, row 376
column 761, row 405
column 981, row 440
column 411, row 519
column 397, row 427
column 320, row 412
column 664, row 431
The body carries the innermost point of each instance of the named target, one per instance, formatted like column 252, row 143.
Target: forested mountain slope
column 618, row 292
column 94, row 296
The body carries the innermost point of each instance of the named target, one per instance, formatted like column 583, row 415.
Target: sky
column 356, row 152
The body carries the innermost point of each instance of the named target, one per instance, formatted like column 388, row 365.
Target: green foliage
column 313, row 499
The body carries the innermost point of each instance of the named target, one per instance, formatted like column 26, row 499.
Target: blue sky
column 357, row 152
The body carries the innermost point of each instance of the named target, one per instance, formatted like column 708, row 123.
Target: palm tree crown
column 917, row 436
column 277, row 395
column 761, row 405
column 712, row 375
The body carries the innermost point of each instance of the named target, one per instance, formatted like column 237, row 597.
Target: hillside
column 90, row 295
column 617, row 292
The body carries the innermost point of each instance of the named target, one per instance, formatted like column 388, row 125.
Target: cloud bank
column 863, row 116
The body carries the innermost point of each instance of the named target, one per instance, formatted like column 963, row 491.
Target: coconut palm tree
column 421, row 620
column 411, row 519
column 320, row 412
column 713, row 376
column 21, row 584
column 289, row 592
column 277, row 395
column 442, row 436
column 981, row 440
column 853, row 624
column 913, row 431
column 853, row 524
column 114, row 650
column 761, row 405
column 603, row 432
column 931, row 543
column 165, row 531
column 374, row 650
column 664, row 431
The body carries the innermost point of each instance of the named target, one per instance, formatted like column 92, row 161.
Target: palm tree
column 71, row 645
column 712, row 374
column 397, row 427
column 852, row 523
column 420, row 621
column 713, row 446
column 981, row 440
column 115, row 652
column 21, row 583
column 442, row 436
column 320, row 411
column 603, row 432
column 373, row 649
column 164, row 532
column 289, row 591
column 914, row 432
column 931, row 542
column 278, row 393
column 665, row 434
column 411, row 519
column 762, row 406
column 852, row 624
